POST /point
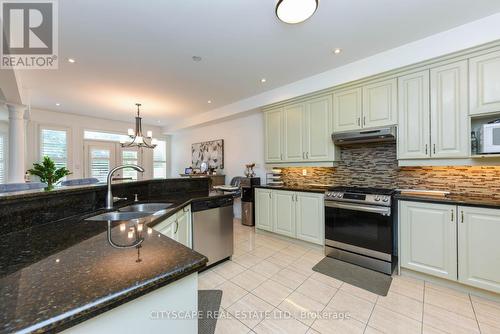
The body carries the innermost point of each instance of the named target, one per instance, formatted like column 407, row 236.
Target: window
column 100, row 163
column 160, row 160
column 3, row 148
column 130, row 157
column 53, row 143
column 96, row 135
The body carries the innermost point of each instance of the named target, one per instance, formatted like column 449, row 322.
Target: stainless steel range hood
column 366, row 136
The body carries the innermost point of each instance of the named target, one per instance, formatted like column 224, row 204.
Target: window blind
column 160, row 159
column 54, row 145
column 2, row 159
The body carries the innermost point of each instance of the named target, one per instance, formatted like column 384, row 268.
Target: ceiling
column 141, row 51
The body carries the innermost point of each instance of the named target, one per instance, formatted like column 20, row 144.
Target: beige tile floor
column 269, row 286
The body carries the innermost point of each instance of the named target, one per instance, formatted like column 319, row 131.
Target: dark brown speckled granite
column 454, row 199
column 56, row 275
column 301, row 188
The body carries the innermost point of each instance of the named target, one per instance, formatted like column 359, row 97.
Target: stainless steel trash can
column 247, row 213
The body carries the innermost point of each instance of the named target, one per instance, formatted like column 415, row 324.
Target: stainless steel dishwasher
column 213, row 228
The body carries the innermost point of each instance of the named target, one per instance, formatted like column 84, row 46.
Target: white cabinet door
column 167, row 227
column 485, row 83
column 347, row 104
column 263, row 209
column 380, row 104
column 273, row 124
column 479, row 247
column 318, row 127
column 183, row 232
column 293, row 139
column 414, row 116
column 449, row 117
column 284, row 212
column 310, row 217
column 429, row 238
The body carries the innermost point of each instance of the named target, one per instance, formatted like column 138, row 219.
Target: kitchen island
column 65, row 275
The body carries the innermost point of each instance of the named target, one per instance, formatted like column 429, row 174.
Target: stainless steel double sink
column 134, row 211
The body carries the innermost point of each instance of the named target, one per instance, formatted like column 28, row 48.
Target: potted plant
column 48, row 173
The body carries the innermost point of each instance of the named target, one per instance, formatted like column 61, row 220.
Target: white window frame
column 4, row 162
column 69, row 141
column 162, row 161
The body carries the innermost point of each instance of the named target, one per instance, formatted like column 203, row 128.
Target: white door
column 167, row 227
column 130, row 156
column 310, row 217
column 479, row 247
column 100, row 158
column 429, row 238
column 347, row 104
column 284, row 212
column 183, row 227
column 263, row 209
column 380, row 104
column 318, row 127
column 485, row 83
column 414, row 116
column 273, row 123
column 293, row 134
column 450, row 136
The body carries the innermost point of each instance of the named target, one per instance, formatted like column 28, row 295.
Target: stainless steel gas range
column 360, row 227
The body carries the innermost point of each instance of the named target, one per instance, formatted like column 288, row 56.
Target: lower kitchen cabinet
column 177, row 227
column 294, row 214
column 479, row 247
column 429, row 234
column 263, row 209
column 429, row 238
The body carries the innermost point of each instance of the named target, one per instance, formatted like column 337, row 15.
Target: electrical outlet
column 304, row 172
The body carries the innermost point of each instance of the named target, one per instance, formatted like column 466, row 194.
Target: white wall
column 76, row 125
column 243, row 144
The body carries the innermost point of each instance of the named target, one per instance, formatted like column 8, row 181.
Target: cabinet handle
column 426, row 149
column 434, row 148
column 359, row 121
column 176, row 226
column 452, row 216
column 269, row 195
column 307, row 155
column 303, row 155
column 364, row 120
column 281, row 156
column 462, row 218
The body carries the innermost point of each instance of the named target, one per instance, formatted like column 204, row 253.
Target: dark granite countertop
column 304, row 188
column 454, row 199
column 55, row 275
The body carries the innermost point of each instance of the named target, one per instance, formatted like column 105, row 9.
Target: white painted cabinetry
column 429, row 238
column 318, row 144
column 414, row 116
column 450, row 136
column 177, row 227
column 484, row 83
column 273, row 127
column 380, row 104
column 428, row 242
column 479, row 247
column 293, row 214
column 347, row 108
column 293, row 139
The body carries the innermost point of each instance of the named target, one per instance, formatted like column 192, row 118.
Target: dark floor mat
column 363, row 278
column 208, row 305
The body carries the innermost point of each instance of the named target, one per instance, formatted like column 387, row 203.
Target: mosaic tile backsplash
column 375, row 165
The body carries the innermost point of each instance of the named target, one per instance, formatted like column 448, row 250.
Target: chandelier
column 136, row 137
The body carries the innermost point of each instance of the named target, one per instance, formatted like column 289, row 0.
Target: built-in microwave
column 489, row 137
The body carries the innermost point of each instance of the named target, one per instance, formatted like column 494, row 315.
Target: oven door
column 359, row 228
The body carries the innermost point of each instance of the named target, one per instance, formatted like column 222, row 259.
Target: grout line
column 475, row 315
column 423, row 309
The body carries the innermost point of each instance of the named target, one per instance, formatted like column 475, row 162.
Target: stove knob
column 377, row 198
column 386, row 199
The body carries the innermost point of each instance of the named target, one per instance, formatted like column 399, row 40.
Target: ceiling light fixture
column 263, row 80
column 71, row 60
column 196, row 58
column 295, row 11
column 137, row 138
column 58, row 104
column 337, row 51
column 209, row 101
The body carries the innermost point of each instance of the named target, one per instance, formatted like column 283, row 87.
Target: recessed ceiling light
column 71, row 60
column 295, row 11
column 158, row 121
column 196, row 58
column 337, row 51
column 58, row 104
column 209, row 101
column 263, row 80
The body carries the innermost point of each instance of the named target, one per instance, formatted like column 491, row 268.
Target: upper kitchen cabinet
column 380, row 104
column 347, row 105
column 293, row 139
column 273, row 123
column 318, row 129
column 414, row 113
column 449, row 116
column 300, row 132
column 484, row 83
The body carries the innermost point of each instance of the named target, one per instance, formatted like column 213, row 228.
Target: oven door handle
column 384, row 211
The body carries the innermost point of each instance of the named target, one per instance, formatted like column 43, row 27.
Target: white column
column 17, row 135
